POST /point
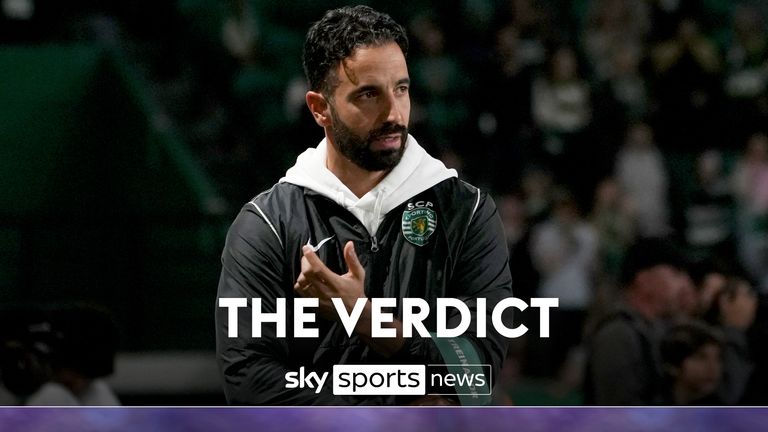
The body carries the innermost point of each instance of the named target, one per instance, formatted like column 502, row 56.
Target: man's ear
column 319, row 107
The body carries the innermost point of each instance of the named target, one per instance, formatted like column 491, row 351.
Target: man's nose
column 393, row 109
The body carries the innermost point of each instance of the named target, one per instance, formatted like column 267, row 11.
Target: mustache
column 387, row 129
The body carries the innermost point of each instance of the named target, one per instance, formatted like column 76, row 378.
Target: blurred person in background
column 732, row 309
column 562, row 108
column 710, row 212
column 614, row 223
column 746, row 79
column 612, row 25
column 538, row 189
column 532, row 22
column 240, row 31
column 440, row 85
column 691, row 357
column 642, row 176
column 623, row 364
column 623, row 97
column 505, row 114
column 82, row 357
column 564, row 253
column 750, row 179
column 687, row 77
column 27, row 341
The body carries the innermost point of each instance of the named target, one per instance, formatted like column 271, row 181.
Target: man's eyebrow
column 405, row 80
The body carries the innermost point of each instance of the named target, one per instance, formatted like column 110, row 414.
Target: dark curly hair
column 684, row 339
column 338, row 34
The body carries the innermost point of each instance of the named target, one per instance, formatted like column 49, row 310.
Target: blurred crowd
column 602, row 127
column 56, row 356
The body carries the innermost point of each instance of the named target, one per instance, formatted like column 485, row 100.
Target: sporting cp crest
column 419, row 223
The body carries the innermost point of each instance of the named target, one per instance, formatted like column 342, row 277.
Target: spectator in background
column 612, row 217
column 627, row 84
column 562, row 109
column 440, row 85
column 505, row 113
column 623, row 365
column 621, row 98
column 532, row 21
column 687, row 73
column 709, row 214
column 240, row 32
column 732, row 310
column 564, row 252
column 83, row 355
column 614, row 225
column 26, row 344
column 642, row 176
column 691, row 356
column 666, row 15
column 746, row 78
column 709, row 277
column 611, row 25
column 538, row 188
column 750, row 178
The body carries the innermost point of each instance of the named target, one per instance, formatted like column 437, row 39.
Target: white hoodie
column 416, row 172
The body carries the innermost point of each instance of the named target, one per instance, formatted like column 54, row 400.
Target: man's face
column 371, row 106
column 663, row 284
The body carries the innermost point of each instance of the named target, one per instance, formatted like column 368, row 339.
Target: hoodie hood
column 416, row 172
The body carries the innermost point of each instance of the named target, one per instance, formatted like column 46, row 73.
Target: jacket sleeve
column 254, row 369
column 481, row 270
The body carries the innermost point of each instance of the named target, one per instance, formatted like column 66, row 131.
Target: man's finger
column 353, row 263
column 313, row 268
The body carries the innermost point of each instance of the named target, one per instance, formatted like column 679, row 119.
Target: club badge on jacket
column 419, row 222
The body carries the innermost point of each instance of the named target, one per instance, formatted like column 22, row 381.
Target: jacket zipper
column 374, row 244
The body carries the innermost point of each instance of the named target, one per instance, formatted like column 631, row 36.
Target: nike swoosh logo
column 319, row 245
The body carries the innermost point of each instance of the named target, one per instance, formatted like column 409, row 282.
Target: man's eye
column 402, row 89
column 370, row 94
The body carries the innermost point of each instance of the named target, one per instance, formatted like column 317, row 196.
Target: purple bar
column 384, row 419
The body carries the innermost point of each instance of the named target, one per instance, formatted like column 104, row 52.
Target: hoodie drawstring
column 376, row 215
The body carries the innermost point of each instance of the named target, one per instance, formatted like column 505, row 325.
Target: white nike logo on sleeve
column 319, row 245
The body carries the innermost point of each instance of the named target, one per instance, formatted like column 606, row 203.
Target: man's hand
column 738, row 309
column 317, row 280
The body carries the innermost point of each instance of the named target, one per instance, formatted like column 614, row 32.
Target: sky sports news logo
column 467, row 380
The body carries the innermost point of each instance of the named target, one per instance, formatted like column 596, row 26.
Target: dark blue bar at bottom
column 381, row 419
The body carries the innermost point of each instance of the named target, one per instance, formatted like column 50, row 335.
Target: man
column 366, row 214
column 623, row 366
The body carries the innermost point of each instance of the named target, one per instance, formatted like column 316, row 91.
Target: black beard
column 358, row 149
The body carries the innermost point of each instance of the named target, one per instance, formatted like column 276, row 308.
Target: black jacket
column 465, row 257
